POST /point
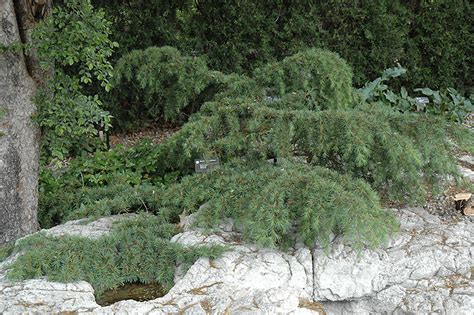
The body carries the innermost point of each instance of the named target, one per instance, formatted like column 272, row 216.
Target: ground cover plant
column 62, row 190
column 95, row 202
column 448, row 102
column 136, row 250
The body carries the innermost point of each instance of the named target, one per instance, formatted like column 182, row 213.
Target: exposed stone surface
column 426, row 268
column 41, row 296
column 467, row 173
column 85, row 228
column 468, row 160
column 466, row 166
column 244, row 280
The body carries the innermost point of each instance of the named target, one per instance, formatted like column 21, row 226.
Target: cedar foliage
column 95, row 202
column 320, row 76
column 158, row 83
column 136, row 250
column 398, row 154
column 270, row 204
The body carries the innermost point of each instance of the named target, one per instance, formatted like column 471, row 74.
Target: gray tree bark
column 19, row 136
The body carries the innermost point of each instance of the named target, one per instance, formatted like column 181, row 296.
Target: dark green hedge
column 439, row 50
column 240, row 35
column 432, row 38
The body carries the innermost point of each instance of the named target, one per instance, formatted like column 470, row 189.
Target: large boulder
column 425, row 268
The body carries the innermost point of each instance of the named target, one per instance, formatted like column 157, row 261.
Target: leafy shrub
column 120, row 165
column 319, row 75
column 430, row 38
column 239, row 37
column 140, row 24
column 137, row 250
column 158, row 83
column 448, row 102
column 66, row 189
column 73, row 47
column 377, row 89
column 438, row 49
column 270, row 202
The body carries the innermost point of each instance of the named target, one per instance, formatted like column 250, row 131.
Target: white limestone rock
column 85, row 228
column 245, row 280
column 426, row 268
column 41, row 296
column 467, row 159
column 467, row 173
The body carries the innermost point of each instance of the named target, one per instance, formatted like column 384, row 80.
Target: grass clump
column 137, row 250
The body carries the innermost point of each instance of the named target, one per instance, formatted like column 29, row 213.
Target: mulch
column 156, row 133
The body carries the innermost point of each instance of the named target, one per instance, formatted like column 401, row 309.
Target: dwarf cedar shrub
column 400, row 154
column 321, row 76
column 274, row 205
column 158, row 83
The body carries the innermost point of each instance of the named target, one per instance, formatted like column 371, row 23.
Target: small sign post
column 206, row 165
column 421, row 102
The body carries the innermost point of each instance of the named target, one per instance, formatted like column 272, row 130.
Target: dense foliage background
column 433, row 39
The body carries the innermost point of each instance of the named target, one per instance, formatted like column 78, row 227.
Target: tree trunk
column 19, row 136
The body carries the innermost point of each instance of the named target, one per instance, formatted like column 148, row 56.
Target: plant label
column 422, row 100
column 206, row 165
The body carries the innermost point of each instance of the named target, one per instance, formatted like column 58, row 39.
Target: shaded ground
column 444, row 205
column 156, row 133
